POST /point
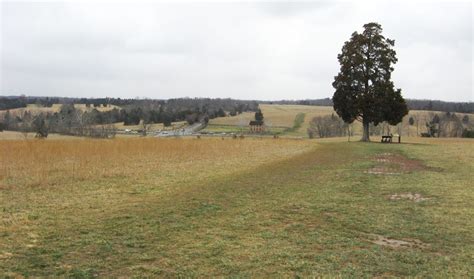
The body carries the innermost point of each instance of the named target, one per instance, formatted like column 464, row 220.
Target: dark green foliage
column 2, row 126
column 106, row 117
column 166, row 121
column 468, row 133
column 221, row 113
column 364, row 90
column 133, row 116
column 259, row 115
column 12, row 103
column 39, row 126
column 432, row 127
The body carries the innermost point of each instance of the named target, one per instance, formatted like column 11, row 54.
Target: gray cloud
column 291, row 8
column 283, row 50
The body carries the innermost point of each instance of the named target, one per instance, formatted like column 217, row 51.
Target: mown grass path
column 308, row 215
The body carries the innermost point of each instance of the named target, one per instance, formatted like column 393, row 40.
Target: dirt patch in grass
column 5, row 255
column 397, row 243
column 393, row 164
column 408, row 196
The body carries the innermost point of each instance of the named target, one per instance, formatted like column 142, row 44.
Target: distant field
column 275, row 115
column 277, row 118
column 36, row 109
column 283, row 116
column 148, row 207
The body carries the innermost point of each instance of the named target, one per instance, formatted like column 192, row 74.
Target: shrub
column 327, row 126
column 468, row 133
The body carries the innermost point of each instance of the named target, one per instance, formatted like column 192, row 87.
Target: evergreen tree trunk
column 365, row 135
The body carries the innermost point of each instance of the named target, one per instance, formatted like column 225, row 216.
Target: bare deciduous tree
column 327, row 126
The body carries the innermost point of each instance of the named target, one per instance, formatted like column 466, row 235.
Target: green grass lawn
column 311, row 214
column 296, row 129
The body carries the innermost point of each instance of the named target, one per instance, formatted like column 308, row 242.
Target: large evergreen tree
column 364, row 90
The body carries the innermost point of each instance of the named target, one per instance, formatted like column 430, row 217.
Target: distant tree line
column 461, row 107
column 183, row 109
column 95, row 123
column 13, row 102
column 308, row 102
column 431, row 105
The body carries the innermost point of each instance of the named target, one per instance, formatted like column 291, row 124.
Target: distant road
column 185, row 131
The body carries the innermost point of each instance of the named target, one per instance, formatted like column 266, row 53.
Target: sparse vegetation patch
column 398, row 243
column 408, row 196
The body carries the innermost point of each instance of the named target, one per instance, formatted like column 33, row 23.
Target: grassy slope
column 297, row 123
column 305, row 214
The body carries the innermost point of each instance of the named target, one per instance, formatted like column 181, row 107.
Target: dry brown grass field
column 46, row 162
column 277, row 115
column 257, row 207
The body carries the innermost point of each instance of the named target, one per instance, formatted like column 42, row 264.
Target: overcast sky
column 244, row 50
